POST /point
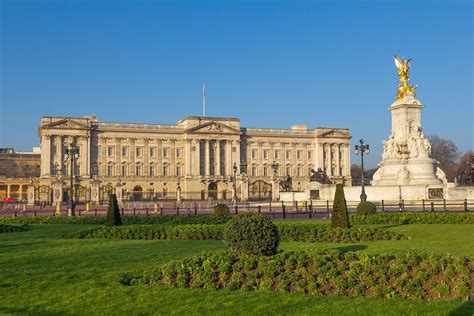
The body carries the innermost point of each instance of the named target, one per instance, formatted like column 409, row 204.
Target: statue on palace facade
column 403, row 66
column 287, row 185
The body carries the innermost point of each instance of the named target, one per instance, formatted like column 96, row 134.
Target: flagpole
column 203, row 99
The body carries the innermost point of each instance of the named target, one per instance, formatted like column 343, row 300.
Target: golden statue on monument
column 403, row 66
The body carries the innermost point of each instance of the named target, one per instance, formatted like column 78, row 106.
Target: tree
column 340, row 218
column 113, row 212
column 446, row 152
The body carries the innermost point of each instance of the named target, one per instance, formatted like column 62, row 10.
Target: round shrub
column 366, row 208
column 252, row 234
column 221, row 210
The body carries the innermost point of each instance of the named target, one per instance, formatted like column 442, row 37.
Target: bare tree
column 446, row 152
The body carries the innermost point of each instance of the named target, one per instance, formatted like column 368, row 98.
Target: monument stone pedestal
column 406, row 156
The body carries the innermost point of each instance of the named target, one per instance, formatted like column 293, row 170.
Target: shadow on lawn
column 464, row 309
column 345, row 249
column 28, row 311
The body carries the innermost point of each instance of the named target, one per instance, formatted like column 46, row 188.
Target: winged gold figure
column 403, row 66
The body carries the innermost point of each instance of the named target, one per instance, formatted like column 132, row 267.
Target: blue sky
column 269, row 63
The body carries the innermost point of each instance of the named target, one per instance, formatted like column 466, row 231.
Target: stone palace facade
column 196, row 157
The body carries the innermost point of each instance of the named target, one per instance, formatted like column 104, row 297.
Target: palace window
column 254, row 171
column 152, row 171
column 178, row 152
column 139, row 151
column 265, row 154
column 152, row 151
column 277, row 154
column 288, row 154
column 288, row 170
column 310, row 155
column 165, row 171
column 166, row 152
column 110, row 170
column 299, row 172
column 124, row 151
column 265, row 171
column 299, row 154
column 110, row 151
column 178, row 171
column 254, row 154
column 124, row 171
column 54, row 150
column 138, row 170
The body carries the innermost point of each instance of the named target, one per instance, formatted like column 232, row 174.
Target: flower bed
column 413, row 218
column 12, row 228
column 411, row 276
column 126, row 220
column 288, row 232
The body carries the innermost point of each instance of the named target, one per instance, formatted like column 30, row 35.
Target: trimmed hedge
column 410, row 276
column 252, row 233
column 126, row 220
column 326, row 233
column 113, row 217
column 366, row 208
column 191, row 231
column 340, row 217
column 12, row 229
column 221, row 210
column 413, row 218
column 287, row 232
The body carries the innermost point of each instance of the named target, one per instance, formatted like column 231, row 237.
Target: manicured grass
column 42, row 273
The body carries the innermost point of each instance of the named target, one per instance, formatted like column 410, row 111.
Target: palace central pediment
column 65, row 124
column 213, row 127
column 334, row 133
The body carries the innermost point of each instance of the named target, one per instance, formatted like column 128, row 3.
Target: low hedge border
column 288, row 232
column 13, row 228
column 413, row 218
column 326, row 233
column 148, row 232
column 126, row 220
column 409, row 276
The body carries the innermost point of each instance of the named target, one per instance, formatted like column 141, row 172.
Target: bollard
column 177, row 210
column 284, row 211
column 423, row 204
column 195, row 209
column 403, row 205
column 259, row 209
column 296, row 205
column 122, row 211
column 270, row 206
column 134, row 212
column 311, row 211
column 465, row 205
column 327, row 206
column 95, row 212
column 146, row 211
column 444, row 205
column 236, row 210
column 306, row 206
column 161, row 210
column 383, row 206
column 35, row 213
column 15, row 214
column 432, row 206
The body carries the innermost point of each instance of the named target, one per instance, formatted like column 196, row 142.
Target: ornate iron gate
column 260, row 190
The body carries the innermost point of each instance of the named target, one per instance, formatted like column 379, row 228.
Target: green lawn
column 41, row 273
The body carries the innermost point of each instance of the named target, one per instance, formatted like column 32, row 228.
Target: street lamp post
column 234, row 183
column 362, row 149
column 72, row 153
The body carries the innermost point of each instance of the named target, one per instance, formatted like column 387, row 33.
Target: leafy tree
column 446, row 152
column 340, row 217
column 113, row 212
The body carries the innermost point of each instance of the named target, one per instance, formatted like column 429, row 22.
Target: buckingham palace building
column 197, row 158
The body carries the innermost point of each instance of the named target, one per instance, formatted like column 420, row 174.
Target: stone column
column 197, row 158
column 60, row 153
column 338, row 159
column 207, row 164
column 95, row 186
column 275, row 188
column 244, row 188
column 88, row 157
column 228, row 157
column 347, row 160
column 31, row 194
column 173, row 158
column 217, row 158
column 119, row 193
column 46, row 155
column 188, row 158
